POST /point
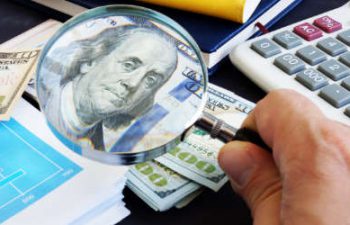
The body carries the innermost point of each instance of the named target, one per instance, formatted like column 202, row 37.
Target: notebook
column 216, row 37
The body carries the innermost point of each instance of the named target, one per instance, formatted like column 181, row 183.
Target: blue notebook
column 216, row 37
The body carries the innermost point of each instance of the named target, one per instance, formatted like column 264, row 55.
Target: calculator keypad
column 289, row 63
column 311, row 55
column 328, row 60
column 312, row 79
column 344, row 37
column 266, row 48
column 334, row 69
column 346, row 83
column 332, row 46
column 328, row 24
column 345, row 58
column 335, row 95
column 287, row 39
column 308, row 31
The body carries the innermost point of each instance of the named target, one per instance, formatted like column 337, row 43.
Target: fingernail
column 237, row 163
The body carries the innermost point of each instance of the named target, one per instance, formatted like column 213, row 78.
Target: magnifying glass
column 121, row 84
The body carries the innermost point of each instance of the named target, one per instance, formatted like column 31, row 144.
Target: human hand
column 306, row 179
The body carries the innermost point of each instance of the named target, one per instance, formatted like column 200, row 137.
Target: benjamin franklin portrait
column 95, row 86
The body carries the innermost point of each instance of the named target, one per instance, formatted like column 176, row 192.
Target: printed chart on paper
column 29, row 169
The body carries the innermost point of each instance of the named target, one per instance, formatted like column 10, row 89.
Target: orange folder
column 235, row 10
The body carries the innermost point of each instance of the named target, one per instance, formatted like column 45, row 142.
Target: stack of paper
column 43, row 182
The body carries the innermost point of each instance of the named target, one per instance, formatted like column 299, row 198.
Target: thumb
column 255, row 177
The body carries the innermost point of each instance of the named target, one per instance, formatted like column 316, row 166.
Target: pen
column 223, row 131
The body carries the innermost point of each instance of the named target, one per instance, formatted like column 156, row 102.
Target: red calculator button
column 308, row 31
column 328, row 24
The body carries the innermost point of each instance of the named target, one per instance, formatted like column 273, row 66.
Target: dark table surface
column 223, row 207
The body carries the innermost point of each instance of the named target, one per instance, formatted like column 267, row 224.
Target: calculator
column 311, row 57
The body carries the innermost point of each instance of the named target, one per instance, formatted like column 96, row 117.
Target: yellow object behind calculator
column 235, row 10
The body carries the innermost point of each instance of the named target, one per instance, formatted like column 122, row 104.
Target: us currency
column 146, row 130
column 189, row 198
column 34, row 38
column 16, row 69
column 196, row 157
column 158, row 186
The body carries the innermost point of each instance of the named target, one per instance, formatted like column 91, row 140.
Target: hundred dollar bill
column 189, row 198
column 16, row 69
column 160, row 187
column 34, row 38
column 196, row 157
column 146, row 121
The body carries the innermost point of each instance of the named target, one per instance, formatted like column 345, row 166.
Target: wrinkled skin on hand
column 306, row 179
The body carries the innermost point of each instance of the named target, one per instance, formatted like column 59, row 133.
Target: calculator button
column 347, row 111
column 312, row 79
column 287, row 39
column 311, row 55
column 344, row 37
column 308, row 31
column 332, row 46
column 266, row 48
column 346, row 83
column 345, row 58
column 335, row 95
column 334, row 69
column 328, row 24
column 289, row 63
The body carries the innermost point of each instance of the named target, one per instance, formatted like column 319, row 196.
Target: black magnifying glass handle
column 223, row 131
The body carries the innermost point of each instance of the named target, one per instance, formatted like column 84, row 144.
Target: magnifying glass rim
column 130, row 10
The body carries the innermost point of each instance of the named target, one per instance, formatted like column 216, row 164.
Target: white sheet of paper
column 84, row 194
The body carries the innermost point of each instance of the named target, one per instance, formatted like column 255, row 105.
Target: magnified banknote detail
column 117, row 84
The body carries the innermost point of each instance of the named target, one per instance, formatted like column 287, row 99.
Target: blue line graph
column 11, row 177
column 29, row 169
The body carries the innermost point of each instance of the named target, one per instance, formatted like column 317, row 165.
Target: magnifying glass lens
column 120, row 84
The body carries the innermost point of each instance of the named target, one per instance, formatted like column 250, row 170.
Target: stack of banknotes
column 176, row 178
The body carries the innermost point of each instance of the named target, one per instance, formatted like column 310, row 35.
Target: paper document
column 43, row 182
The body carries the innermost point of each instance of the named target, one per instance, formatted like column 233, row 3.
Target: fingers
column 254, row 176
column 311, row 154
column 279, row 112
column 307, row 147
